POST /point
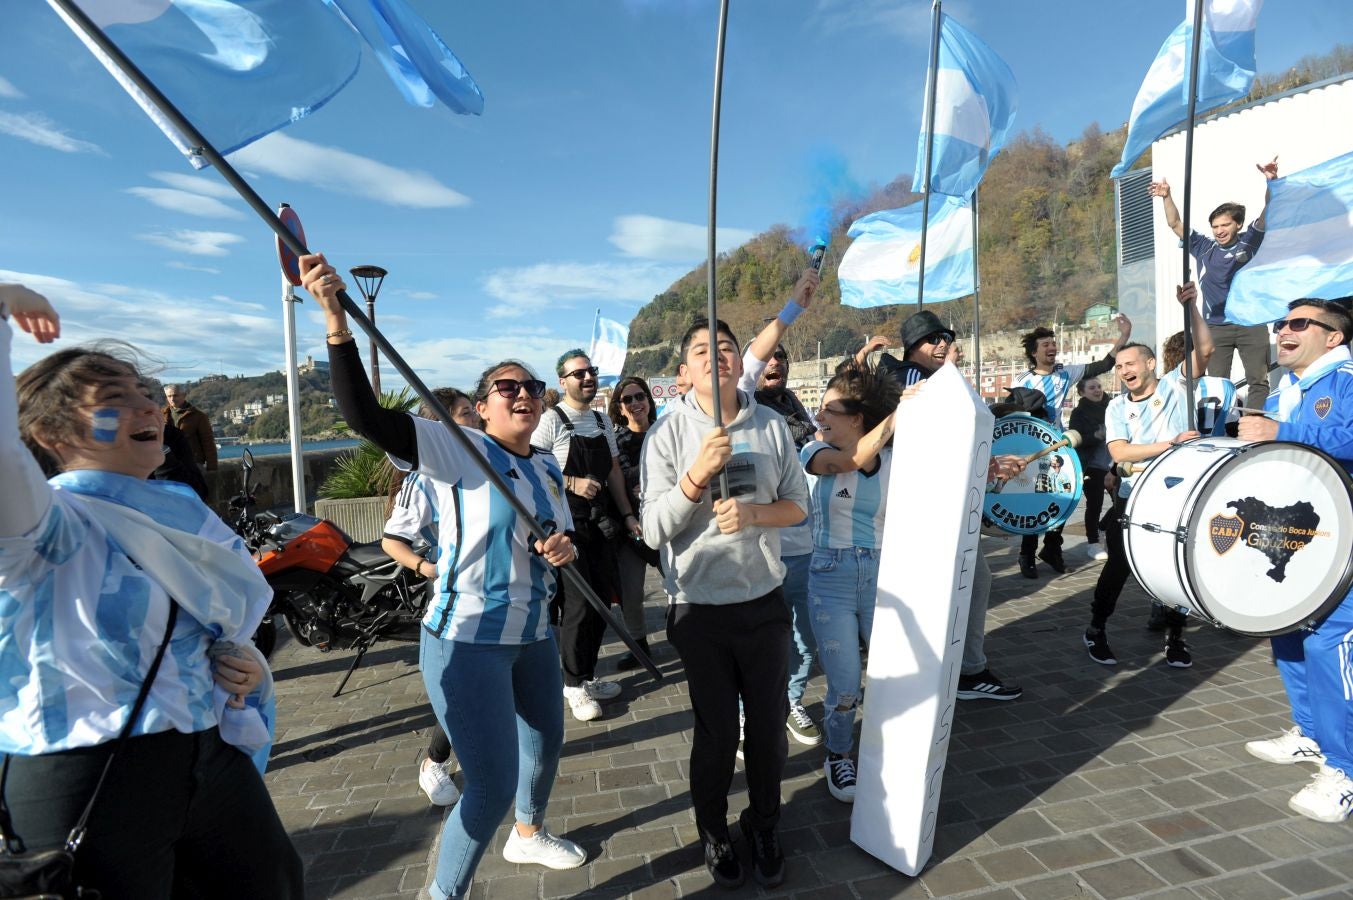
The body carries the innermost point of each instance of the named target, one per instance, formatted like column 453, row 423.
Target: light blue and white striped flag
column 1308, row 244
column 975, row 103
column 610, row 340
column 883, row 265
column 1225, row 73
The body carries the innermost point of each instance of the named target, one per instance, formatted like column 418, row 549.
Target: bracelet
column 342, row 332
column 695, row 484
column 791, row 312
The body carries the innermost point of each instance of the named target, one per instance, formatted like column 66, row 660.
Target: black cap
column 919, row 326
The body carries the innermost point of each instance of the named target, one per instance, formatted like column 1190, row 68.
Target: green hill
column 216, row 394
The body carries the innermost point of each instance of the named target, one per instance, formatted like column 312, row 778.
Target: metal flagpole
column 931, row 86
column 1198, row 26
column 712, row 310
column 289, row 301
column 203, row 148
column 976, row 303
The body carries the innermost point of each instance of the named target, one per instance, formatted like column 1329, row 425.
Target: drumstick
column 1127, row 470
column 1246, row 411
column 1072, row 439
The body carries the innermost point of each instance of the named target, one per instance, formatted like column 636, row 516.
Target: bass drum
column 1046, row 494
column 1253, row 536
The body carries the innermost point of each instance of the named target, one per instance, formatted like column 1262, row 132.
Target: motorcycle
column 329, row 590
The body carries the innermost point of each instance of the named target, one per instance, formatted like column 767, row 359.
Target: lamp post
column 369, row 280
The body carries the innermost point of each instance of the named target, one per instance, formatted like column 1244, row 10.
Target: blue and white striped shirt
column 491, row 588
column 1055, row 386
column 1159, row 417
column 414, row 514
column 847, row 508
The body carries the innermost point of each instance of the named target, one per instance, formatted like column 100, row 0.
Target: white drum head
column 1271, row 539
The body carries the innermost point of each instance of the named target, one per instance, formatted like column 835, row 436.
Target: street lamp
column 369, row 280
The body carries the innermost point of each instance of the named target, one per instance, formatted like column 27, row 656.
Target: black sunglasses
column 580, row 374
column 1300, row 325
column 946, row 336
column 510, row 387
column 780, row 354
column 633, row 398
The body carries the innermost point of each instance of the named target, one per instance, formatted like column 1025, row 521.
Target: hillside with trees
column 1047, row 249
column 216, row 394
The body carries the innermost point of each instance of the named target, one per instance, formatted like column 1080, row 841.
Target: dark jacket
column 1088, row 419
column 196, row 428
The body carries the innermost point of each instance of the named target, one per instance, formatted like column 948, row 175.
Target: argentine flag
column 1225, row 73
column 1308, row 244
column 975, row 105
column 883, row 265
column 610, row 340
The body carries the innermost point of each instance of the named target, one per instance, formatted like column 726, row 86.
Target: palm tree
column 364, row 471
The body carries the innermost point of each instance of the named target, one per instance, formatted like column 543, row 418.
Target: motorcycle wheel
column 265, row 638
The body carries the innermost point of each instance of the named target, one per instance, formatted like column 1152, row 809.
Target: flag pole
column 931, row 87
column 712, row 311
column 202, row 147
column 289, row 301
column 1198, row 26
column 976, row 303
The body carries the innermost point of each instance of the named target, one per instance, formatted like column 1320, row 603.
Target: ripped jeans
column 841, row 588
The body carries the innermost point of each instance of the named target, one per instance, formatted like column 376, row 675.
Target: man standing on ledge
column 194, row 424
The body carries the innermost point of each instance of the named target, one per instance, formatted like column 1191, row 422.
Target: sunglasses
column 633, row 398
column 780, row 354
column 946, row 337
column 510, row 387
column 580, row 374
column 834, row 410
column 1300, row 325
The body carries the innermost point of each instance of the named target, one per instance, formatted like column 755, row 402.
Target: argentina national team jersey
column 1159, row 417
column 847, row 509
column 1055, row 387
column 414, row 515
column 1215, row 399
column 491, row 588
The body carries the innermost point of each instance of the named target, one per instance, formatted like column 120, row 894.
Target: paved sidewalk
column 1101, row 782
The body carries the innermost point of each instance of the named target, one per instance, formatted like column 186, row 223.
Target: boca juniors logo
column 1225, row 531
column 1323, row 407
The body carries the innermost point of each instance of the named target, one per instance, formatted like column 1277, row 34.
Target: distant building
column 1098, row 314
column 312, row 365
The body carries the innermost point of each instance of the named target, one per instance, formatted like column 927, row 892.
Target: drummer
column 1146, row 419
column 1314, row 405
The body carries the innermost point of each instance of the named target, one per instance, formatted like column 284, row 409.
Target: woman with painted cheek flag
column 130, row 655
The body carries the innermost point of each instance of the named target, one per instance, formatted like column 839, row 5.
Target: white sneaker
column 543, row 849
column 434, row 781
column 602, row 690
column 1096, row 551
column 1328, row 798
column 585, row 709
column 1289, row 747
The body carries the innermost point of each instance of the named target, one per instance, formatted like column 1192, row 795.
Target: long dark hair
column 865, row 393
column 616, row 409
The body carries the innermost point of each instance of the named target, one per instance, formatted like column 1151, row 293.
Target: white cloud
column 908, row 20
column 653, row 238
column 38, row 129
column 196, row 184
column 458, row 362
column 346, row 173
column 186, row 203
column 415, row 295
column 535, row 288
column 196, row 243
column 9, row 91
column 189, row 267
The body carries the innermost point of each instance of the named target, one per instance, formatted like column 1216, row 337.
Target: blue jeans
column 500, row 706
column 841, row 588
column 803, row 651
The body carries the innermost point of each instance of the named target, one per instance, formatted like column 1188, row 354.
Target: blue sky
column 583, row 185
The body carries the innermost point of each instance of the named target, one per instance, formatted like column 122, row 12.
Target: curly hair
column 865, row 393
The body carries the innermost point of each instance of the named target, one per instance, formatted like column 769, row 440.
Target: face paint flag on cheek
column 105, row 423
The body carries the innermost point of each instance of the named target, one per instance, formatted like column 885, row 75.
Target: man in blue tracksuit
column 1314, row 405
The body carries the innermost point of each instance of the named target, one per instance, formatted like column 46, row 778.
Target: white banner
column 942, row 446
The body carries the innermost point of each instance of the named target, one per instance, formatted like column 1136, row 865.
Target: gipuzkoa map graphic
column 1277, row 532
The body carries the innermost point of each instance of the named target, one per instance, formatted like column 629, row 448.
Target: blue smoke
column 830, row 191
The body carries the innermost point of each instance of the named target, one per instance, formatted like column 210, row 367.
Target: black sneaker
column 1054, row 560
column 722, row 861
column 1097, row 642
column 1158, row 621
column 628, row 661
column 1177, row 652
column 1027, row 567
column 840, row 772
column 986, row 686
column 768, row 860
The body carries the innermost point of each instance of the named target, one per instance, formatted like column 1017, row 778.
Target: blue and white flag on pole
column 236, row 69
column 883, row 265
column 975, row 103
column 1308, row 244
column 1225, row 73
column 610, row 340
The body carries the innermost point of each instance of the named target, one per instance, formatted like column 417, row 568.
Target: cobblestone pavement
column 1100, row 782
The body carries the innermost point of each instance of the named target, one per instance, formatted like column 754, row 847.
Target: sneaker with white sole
column 543, row 849
column 1096, row 551
column 801, row 726
column 841, row 777
column 1097, row 643
column 601, row 690
column 585, row 709
column 1289, row 747
column 1177, row 653
column 984, row 685
column 1328, row 798
column 435, row 781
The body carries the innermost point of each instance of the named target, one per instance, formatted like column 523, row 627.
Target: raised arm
column 800, row 298
column 830, row 461
column 1270, row 172
column 24, row 492
column 1161, row 189
column 1187, row 295
column 1100, row 366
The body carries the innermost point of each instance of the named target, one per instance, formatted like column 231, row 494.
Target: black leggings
column 1094, row 502
column 181, row 815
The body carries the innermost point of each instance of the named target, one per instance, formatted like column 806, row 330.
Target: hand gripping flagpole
column 931, row 90
column 1198, row 26
column 204, row 149
column 712, row 310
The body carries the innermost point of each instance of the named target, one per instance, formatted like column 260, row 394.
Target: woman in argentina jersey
column 490, row 662
column 93, row 562
column 847, row 485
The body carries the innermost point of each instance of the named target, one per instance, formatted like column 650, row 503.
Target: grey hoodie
column 700, row 564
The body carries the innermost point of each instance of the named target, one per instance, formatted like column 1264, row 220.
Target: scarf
column 1291, row 389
